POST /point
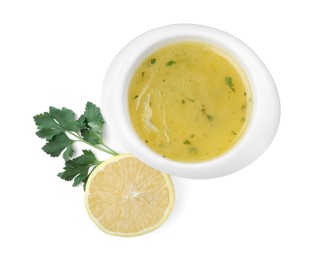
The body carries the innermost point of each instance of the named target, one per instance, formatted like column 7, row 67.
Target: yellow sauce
column 189, row 101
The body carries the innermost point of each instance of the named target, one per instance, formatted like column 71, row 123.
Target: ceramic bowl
column 263, row 123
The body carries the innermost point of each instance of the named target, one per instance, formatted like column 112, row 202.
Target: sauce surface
column 189, row 101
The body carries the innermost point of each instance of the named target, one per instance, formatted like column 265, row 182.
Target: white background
column 56, row 53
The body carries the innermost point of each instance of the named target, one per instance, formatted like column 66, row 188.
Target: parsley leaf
column 65, row 117
column 69, row 152
column 54, row 127
column 81, row 122
column 94, row 121
column 93, row 113
column 91, row 136
column 57, row 144
column 47, row 126
column 79, row 168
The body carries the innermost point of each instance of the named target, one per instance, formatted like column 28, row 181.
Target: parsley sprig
column 61, row 129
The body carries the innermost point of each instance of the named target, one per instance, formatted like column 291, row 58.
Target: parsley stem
column 115, row 153
column 109, row 151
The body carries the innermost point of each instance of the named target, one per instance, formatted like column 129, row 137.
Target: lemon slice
column 125, row 197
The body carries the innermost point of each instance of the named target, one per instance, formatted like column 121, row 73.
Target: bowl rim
column 262, row 125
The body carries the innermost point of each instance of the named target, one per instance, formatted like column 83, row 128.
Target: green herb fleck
column 244, row 93
column 153, row 61
column 203, row 110
column 243, row 119
column 183, row 101
column 143, row 73
column 210, row 117
column 233, row 132
column 243, row 107
column 135, row 97
column 186, row 141
column 146, row 141
column 193, row 150
column 170, row 63
column 228, row 81
column 190, row 99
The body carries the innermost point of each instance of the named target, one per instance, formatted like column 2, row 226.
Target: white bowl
column 262, row 125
